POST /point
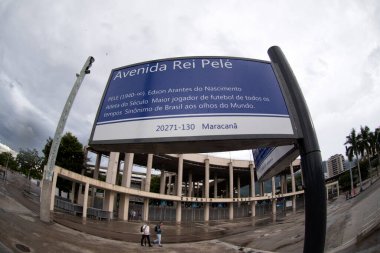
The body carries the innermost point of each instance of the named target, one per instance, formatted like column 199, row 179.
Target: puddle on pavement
column 22, row 247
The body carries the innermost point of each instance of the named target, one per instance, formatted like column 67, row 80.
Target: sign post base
column 45, row 200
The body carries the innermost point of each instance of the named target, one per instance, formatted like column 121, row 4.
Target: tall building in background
column 324, row 168
column 335, row 165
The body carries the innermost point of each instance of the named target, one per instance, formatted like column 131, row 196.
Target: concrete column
column 207, row 190
column 142, row 187
column 293, row 178
column 274, row 200
column 231, row 211
column 80, row 185
column 169, row 185
column 231, row 184
column 95, row 176
column 327, row 192
column 126, row 182
column 186, row 190
column 97, row 166
column 52, row 196
column 282, row 183
column 72, row 194
column 178, row 216
column 227, row 189
column 207, row 212
column 203, row 189
column 175, row 189
column 337, row 188
column 262, row 189
column 85, row 200
column 293, row 187
column 190, row 193
column 128, row 166
column 162, row 182
column 118, row 173
column 253, row 190
column 147, row 186
column 238, row 189
column 148, row 172
column 109, row 196
column 215, row 186
column 231, row 191
column 108, row 202
column 112, row 167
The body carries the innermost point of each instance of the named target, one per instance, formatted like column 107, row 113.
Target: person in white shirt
column 145, row 235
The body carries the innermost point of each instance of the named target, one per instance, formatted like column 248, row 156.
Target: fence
column 98, row 213
column 194, row 212
column 190, row 212
column 67, row 206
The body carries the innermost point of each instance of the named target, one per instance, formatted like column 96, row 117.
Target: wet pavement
column 22, row 231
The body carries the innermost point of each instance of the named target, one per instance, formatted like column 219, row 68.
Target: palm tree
column 365, row 146
column 374, row 146
column 376, row 142
column 372, row 142
column 352, row 149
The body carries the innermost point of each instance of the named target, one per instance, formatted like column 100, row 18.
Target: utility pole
column 46, row 189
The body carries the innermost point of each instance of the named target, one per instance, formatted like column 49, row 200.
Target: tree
column 155, row 184
column 375, row 146
column 364, row 170
column 345, row 181
column 29, row 163
column 352, row 150
column 364, row 145
column 70, row 153
column 70, row 156
column 8, row 161
column 372, row 143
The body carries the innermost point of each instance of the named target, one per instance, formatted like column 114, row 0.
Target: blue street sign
column 198, row 98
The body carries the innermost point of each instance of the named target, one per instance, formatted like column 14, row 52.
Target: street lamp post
column 46, row 189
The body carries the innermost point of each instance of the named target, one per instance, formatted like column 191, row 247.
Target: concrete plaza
column 348, row 224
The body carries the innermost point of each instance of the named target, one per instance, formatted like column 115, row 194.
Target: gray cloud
column 335, row 60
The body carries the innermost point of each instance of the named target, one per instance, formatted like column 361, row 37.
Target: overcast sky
column 332, row 46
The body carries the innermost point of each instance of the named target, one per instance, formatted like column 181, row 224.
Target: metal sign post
column 315, row 192
column 48, row 171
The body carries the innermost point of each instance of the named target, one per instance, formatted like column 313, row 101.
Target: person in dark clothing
column 158, row 231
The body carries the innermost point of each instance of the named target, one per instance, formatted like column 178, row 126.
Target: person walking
column 145, row 235
column 142, row 234
column 158, row 231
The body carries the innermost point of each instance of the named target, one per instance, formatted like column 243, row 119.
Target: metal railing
column 98, row 213
column 67, row 206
